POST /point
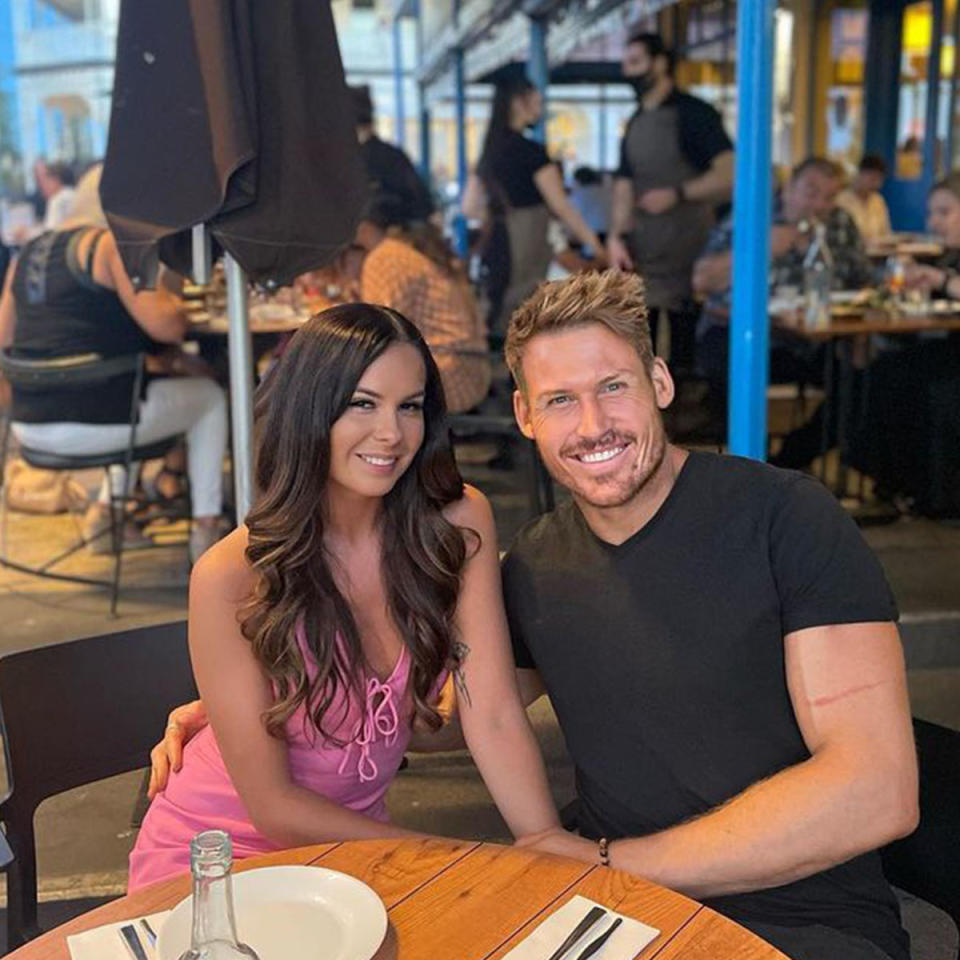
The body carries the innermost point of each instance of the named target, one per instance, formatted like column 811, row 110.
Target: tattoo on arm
column 460, row 653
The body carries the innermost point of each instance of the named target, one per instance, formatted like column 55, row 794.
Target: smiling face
column 594, row 410
column 376, row 438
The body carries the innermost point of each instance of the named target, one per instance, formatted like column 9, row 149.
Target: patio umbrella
column 233, row 114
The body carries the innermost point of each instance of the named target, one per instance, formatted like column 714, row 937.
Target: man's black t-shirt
column 664, row 660
column 512, row 164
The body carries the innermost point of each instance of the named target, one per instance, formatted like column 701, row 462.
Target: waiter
column 389, row 171
column 676, row 166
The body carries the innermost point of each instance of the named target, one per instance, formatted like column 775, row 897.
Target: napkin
column 625, row 943
column 105, row 943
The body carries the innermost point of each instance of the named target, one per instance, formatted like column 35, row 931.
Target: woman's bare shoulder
column 472, row 512
column 224, row 568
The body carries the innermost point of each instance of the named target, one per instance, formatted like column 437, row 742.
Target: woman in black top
column 69, row 294
column 522, row 188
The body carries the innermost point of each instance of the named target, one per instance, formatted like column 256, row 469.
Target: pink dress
column 201, row 795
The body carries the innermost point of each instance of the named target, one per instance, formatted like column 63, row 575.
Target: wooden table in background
column 460, row 900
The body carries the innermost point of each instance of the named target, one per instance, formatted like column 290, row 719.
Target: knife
column 592, row 947
column 594, row 914
column 130, row 938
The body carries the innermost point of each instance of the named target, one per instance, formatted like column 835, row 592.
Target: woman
column 910, row 440
column 322, row 631
column 411, row 268
column 69, row 294
column 522, row 188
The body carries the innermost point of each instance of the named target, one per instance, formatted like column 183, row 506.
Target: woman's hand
column 561, row 843
column 183, row 724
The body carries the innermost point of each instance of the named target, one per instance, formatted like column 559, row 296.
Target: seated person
column 322, row 630
column 809, row 195
column 909, row 440
column 864, row 202
column 69, row 294
column 411, row 268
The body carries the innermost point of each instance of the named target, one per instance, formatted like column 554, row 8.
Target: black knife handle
column 578, row 931
column 591, row 948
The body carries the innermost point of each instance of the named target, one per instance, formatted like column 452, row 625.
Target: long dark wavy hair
column 504, row 93
column 422, row 553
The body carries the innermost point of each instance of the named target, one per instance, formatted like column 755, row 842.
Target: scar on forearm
column 843, row 694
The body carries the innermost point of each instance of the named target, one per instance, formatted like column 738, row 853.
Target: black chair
column 927, row 863
column 86, row 370
column 73, row 713
column 474, row 424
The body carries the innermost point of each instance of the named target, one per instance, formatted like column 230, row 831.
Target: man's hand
column 183, row 724
column 617, row 254
column 561, row 843
column 659, row 200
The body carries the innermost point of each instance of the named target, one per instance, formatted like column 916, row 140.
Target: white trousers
column 194, row 406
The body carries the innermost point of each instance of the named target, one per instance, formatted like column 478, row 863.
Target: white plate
column 293, row 913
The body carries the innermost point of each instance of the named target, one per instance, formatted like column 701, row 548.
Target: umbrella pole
column 241, row 385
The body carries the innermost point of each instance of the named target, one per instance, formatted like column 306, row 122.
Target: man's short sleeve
column 513, row 593
column 625, row 170
column 702, row 137
column 824, row 570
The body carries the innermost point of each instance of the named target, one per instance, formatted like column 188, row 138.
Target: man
column 717, row 641
column 389, row 169
column 676, row 165
column 863, row 200
column 810, row 195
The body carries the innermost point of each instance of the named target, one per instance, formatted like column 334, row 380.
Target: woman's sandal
column 170, row 503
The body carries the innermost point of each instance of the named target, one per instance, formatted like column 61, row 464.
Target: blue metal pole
column 752, row 210
column 422, row 108
column 399, row 112
column 460, row 104
column 539, row 71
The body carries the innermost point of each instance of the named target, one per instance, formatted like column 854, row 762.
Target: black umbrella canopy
column 232, row 113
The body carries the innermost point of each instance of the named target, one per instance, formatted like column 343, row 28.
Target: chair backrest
column 927, row 863
column 87, row 709
column 73, row 713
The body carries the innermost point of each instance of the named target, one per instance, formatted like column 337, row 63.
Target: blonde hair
column 612, row 298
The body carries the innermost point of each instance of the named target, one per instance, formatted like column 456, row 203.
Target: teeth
column 379, row 461
column 601, row 456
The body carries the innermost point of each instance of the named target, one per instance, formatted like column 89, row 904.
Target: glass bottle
column 214, row 932
column 817, row 280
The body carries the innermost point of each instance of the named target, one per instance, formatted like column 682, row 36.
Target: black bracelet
column 681, row 193
column 604, row 846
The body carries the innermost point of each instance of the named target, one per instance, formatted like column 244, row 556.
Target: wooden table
column 461, row 900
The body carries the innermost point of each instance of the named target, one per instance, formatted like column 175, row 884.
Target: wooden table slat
column 709, row 936
column 467, row 913
column 396, row 872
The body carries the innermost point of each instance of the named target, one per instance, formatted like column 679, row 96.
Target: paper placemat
column 625, row 943
column 105, row 943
